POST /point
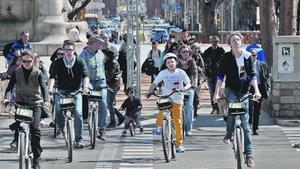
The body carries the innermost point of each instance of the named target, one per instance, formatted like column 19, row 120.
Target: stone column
column 49, row 25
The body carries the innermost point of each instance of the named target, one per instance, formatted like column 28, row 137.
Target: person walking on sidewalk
column 237, row 66
column 113, row 78
column 264, row 85
column 212, row 57
column 95, row 61
column 173, row 79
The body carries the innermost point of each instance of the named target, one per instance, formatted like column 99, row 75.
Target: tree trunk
column 288, row 17
column 209, row 25
column 267, row 28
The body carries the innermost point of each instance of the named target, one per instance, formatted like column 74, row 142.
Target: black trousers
column 255, row 113
column 35, row 132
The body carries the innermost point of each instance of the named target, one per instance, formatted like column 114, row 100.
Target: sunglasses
column 185, row 51
column 60, row 54
column 68, row 49
column 27, row 61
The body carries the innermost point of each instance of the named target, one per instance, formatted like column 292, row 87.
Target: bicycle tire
column 54, row 120
column 68, row 139
column 21, row 150
column 166, row 138
column 131, row 129
column 93, row 131
column 239, row 148
column 173, row 142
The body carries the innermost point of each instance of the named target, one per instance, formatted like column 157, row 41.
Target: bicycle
column 24, row 115
column 93, row 99
column 164, row 103
column 67, row 105
column 237, row 108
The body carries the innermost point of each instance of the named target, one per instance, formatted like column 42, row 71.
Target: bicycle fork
column 238, row 132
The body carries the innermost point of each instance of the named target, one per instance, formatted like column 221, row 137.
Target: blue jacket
column 18, row 45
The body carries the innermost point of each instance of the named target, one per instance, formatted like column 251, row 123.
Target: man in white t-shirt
column 173, row 79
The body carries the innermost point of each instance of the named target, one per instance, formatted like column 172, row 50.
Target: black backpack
column 148, row 65
column 7, row 48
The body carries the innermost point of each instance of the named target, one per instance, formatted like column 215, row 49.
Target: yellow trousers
column 177, row 117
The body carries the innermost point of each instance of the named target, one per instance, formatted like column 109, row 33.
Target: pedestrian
column 173, row 79
column 184, row 37
column 95, row 61
column 188, row 64
column 155, row 55
column 264, row 86
column 19, row 46
column 122, row 60
column 237, row 66
column 70, row 72
column 31, row 90
column 254, row 40
column 113, row 78
column 168, row 46
column 132, row 106
column 212, row 57
column 197, row 55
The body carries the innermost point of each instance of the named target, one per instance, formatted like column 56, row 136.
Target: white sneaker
column 180, row 149
column 189, row 133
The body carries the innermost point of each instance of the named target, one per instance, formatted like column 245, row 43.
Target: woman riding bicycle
column 173, row 79
column 237, row 66
column 30, row 91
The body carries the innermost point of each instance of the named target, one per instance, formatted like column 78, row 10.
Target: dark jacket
column 212, row 58
column 229, row 68
column 265, row 79
column 112, row 72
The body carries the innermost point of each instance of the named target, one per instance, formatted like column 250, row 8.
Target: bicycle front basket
column 24, row 115
column 95, row 96
column 164, row 103
column 67, row 103
column 236, row 108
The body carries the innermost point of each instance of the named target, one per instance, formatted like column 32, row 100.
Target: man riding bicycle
column 173, row 79
column 69, row 71
column 30, row 91
column 238, row 67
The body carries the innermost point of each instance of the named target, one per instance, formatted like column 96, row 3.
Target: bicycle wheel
column 131, row 129
column 68, row 139
column 173, row 142
column 239, row 148
column 21, row 150
column 166, row 138
column 54, row 120
column 92, row 130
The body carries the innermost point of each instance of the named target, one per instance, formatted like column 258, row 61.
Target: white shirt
column 155, row 57
column 241, row 64
column 173, row 80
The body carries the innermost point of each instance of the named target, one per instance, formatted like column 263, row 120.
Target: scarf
column 69, row 65
column 185, row 63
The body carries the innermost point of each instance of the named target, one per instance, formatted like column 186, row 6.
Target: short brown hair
column 68, row 42
column 28, row 53
column 94, row 38
column 24, row 32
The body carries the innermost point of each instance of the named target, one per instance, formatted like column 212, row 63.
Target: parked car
column 154, row 20
column 160, row 35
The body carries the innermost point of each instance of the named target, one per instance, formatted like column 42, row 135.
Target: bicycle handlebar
column 156, row 95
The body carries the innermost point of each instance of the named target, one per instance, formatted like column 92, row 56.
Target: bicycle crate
column 67, row 103
column 236, row 108
column 95, row 96
column 24, row 115
column 164, row 103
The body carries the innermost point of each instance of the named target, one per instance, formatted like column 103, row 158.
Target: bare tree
column 267, row 28
column 209, row 24
column 76, row 10
column 288, row 17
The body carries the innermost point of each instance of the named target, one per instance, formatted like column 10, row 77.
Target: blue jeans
column 231, row 96
column 103, row 108
column 111, row 101
column 78, row 124
column 189, row 111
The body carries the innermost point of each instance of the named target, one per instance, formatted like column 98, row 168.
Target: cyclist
column 188, row 64
column 133, row 108
column 238, row 67
column 69, row 71
column 95, row 61
column 30, row 90
column 173, row 79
